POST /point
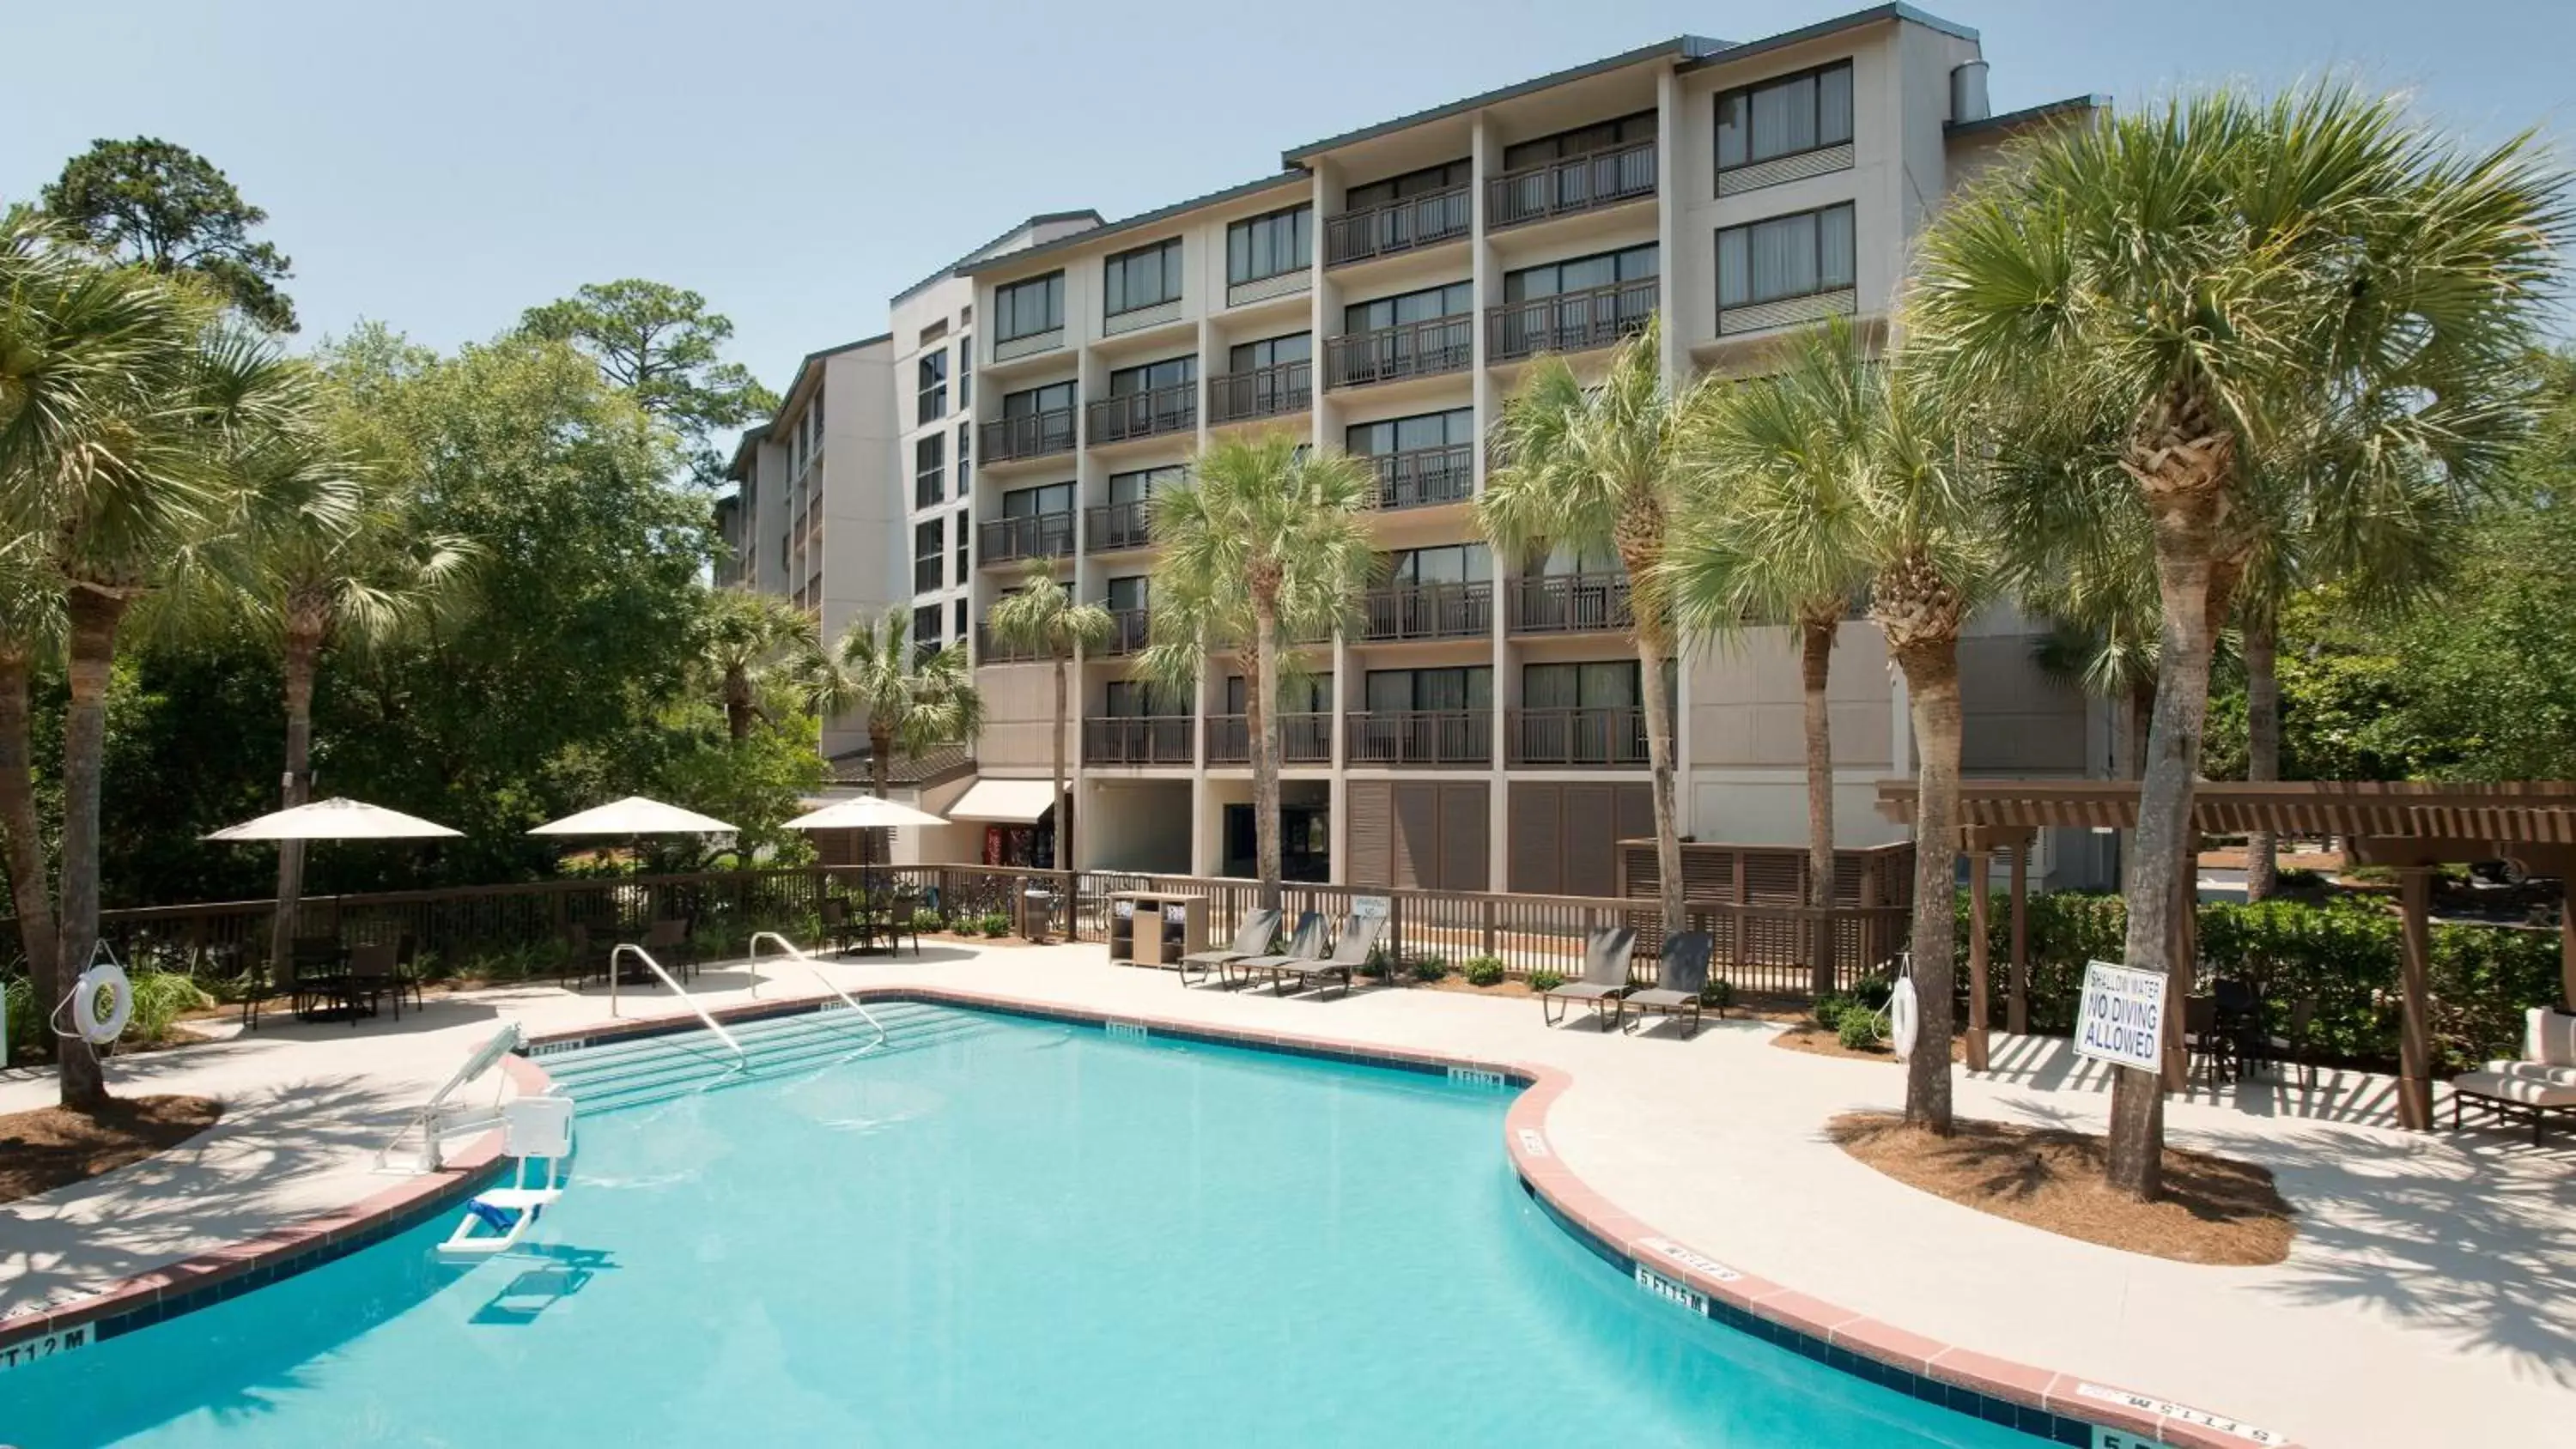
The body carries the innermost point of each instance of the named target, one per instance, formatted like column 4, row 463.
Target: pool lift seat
column 535, row 1129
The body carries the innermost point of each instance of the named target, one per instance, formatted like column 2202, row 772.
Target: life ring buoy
column 108, row 977
column 1903, row 1019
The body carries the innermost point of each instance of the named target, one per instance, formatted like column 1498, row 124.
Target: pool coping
column 2050, row 1406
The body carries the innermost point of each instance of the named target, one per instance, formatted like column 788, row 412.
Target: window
column 929, row 462
column 926, row 545
column 1805, row 112
column 1402, row 691
column 1154, row 376
column 1266, row 246
column 1453, row 428
column 1412, row 183
column 932, row 385
column 925, row 629
column 959, row 627
column 1270, row 352
column 1145, row 277
column 1610, row 685
column 1565, row 559
column 1579, row 274
column 965, row 375
column 1142, row 484
column 965, row 459
column 1130, row 699
column 965, row 564
column 933, row 332
column 1456, row 563
column 1787, row 256
column 1581, row 141
column 1055, row 397
column 1045, row 501
column 1028, row 308
column 1299, row 694
column 1454, row 300
column 1127, row 593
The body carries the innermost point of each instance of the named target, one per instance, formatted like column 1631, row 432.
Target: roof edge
column 1687, row 47
column 1835, row 25
column 1140, row 220
column 2027, row 115
column 1030, row 223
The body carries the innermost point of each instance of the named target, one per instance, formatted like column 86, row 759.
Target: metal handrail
column 792, row 949
column 628, row 947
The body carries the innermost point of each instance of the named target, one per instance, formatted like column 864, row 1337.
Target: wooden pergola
column 2412, row 828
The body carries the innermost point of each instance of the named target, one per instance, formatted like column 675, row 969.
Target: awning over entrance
column 1008, row 802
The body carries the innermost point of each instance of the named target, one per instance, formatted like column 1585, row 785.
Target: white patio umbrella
column 865, row 812
column 635, row 815
column 334, row 819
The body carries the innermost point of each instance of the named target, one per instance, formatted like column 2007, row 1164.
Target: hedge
column 2343, row 953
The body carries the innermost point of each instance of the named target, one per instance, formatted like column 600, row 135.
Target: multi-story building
column 1478, row 726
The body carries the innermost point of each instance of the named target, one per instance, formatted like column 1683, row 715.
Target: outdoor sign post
column 2121, row 1019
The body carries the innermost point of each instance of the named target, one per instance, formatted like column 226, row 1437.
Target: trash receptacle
column 1037, row 913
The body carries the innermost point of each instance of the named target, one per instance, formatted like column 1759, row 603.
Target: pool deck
column 2430, row 1297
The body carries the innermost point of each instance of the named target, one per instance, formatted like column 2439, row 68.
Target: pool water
column 1019, row 1233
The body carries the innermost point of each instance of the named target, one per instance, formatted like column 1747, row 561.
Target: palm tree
column 1775, row 531
column 744, row 638
column 913, row 702
column 31, row 630
column 1264, row 541
column 1041, row 617
column 2215, row 273
column 1597, row 467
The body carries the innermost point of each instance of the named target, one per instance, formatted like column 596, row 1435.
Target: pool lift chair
column 536, row 1129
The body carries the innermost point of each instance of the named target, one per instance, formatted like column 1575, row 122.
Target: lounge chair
column 1359, row 936
column 1681, row 973
column 1604, row 980
column 1259, row 929
column 2542, row 1082
column 1306, row 943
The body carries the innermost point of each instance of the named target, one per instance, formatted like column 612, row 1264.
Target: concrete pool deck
column 2430, row 1296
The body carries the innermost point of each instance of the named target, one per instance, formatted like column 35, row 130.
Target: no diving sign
column 2122, row 1017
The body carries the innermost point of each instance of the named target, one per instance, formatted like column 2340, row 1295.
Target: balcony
column 1147, row 414
column 1411, row 349
column 1264, row 392
column 1037, row 535
column 1570, row 321
column 1570, row 603
column 1419, row 737
column 1613, row 737
column 1117, row 525
column 1425, row 477
column 1427, row 611
column 1575, row 184
column 1304, row 739
column 1128, row 632
column 991, row 650
column 1404, row 225
column 1153, row 739
column 1032, row 435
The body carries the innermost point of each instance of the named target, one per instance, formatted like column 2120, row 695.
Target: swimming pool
column 1004, row 1231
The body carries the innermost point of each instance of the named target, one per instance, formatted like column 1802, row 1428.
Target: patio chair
column 2292, row 1047
column 668, row 942
column 373, row 969
column 1358, row 937
column 317, row 971
column 2212, row 1049
column 407, row 972
column 1306, row 943
column 582, row 958
column 903, row 918
column 1260, row 927
column 1603, row 983
column 1681, row 973
column 844, row 928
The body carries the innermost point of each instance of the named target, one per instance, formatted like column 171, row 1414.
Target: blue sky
column 441, row 167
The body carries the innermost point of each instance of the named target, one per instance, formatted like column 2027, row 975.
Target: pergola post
column 2414, row 971
column 2017, row 1011
column 1978, row 914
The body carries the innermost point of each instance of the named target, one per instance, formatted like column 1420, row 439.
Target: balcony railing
column 1412, row 349
column 1570, row 603
column 1419, row 737
column 1173, row 409
column 1117, row 525
column 1264, row 392
column 1570, row 321
column 1426, row 476
column 1033, row 435
column 1612, row 737
column 1127, row 631
column 1577, row 183
column 1037, row 535
column 1398, row 226
column 1304, row 739
column 1428, row 611
column 1154, row 739
column 989, row 649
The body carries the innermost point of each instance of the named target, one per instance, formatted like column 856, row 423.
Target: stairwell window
column 929, row 470
column 1146, row 277
column 1266, row 246
column 1026, row 309
column 1799, row 255
column 932, row 386
column 1793, row 114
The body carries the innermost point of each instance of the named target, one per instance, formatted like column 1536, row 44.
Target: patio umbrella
column 635, row 815
column 866, row 812
column 334, row 819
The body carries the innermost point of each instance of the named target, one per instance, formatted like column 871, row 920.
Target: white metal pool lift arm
column 439, row 1118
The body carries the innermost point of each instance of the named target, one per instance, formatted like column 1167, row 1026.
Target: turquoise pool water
column 1013, row 1233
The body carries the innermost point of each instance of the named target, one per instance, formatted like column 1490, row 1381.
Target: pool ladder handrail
column 629, row 948
column 815, row 968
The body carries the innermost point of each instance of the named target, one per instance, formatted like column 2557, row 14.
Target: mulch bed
column 1816, row 1041
column 55, row 1147
column 2215, row 1210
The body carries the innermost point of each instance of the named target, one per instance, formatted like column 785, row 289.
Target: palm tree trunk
column 2262, row 743
column 1815, row 661
column 880, row 774
column 1659, row 761
column 30, row 887
column 1931, row 670
column 302, row 647
column 94, row 615
column 737, row 704
column 1264, row 722
column 1062, row 857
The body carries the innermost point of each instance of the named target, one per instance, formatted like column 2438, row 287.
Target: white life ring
column 109, row 977
column 1903, row 1020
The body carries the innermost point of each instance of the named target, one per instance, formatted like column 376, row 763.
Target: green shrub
column 1429, row 968
column 994, row 924
column 1379, row 965
column 1546, row 980
column 1717, row 995
column 1829, row 1009
column 1873, row 992
column 26, row 1024
column 159, row 999
column 2300, row 877
column 1858, row 1031
column 1484, row 970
